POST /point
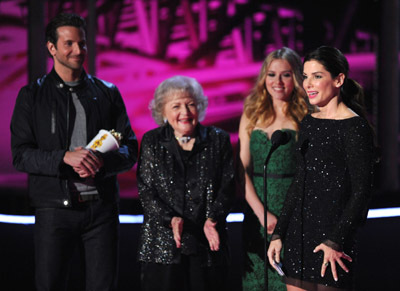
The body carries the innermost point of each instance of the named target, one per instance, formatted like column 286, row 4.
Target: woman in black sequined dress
column 186, row 187
column 328, row 199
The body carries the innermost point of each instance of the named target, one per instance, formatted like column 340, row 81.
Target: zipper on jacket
column 53, row 117
column 67, row 136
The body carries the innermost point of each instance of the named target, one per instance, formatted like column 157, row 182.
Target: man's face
column 70, row 51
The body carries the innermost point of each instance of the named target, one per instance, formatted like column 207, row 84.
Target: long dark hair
column 351, row 92
column 335, row 62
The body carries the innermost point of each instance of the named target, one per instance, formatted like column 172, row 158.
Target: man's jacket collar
column 61, row 84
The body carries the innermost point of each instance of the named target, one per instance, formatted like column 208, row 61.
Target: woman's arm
column 218, row 208
column 225, row 194
column 294, row 194
column 250, row 192
column 358, row 146
column 152, row 204
column 359, row 154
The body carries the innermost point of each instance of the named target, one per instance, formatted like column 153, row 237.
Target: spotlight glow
column 232, row 217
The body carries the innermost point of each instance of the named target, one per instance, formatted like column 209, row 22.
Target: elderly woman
column 186, row 186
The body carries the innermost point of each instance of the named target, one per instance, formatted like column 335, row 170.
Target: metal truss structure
column 221, row 43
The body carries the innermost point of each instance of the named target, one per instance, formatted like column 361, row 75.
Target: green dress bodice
column 280, row 170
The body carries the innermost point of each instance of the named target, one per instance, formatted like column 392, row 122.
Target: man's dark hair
column 63, row 19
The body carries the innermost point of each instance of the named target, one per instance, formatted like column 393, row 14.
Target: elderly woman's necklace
column 183, row 139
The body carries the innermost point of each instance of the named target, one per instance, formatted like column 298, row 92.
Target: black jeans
column 94, row 227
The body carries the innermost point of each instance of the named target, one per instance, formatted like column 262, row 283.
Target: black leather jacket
column 194, row 185
column 41, row 129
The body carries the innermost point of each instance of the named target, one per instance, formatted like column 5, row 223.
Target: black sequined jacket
column 195, row 186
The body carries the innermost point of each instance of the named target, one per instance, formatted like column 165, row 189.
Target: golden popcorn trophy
column 105, row 141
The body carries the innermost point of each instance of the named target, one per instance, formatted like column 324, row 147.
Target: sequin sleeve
column 219, row 207
column 358, row 147
column 294, row 194
column 152, row 205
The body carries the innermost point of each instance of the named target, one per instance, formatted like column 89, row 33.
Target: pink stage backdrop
column 129, row 56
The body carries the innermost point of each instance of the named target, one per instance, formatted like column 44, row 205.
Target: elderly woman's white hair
column 177, row 83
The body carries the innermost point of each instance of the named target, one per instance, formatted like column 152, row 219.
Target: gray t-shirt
column 79, row 139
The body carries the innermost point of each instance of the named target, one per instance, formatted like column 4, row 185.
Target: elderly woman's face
column 181, row 111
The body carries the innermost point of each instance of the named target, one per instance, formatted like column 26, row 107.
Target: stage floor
column 377, row 269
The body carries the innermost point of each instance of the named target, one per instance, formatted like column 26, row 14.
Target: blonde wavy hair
column 258, row 106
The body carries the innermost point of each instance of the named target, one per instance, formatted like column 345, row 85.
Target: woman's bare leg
column 294, row 288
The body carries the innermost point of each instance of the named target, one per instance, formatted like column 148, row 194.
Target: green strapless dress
column 280, row 171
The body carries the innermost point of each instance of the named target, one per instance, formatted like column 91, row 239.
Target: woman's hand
column 331, row 257
column 274, row 252
column 211, row 234
column 271, row 222
column 177, row 228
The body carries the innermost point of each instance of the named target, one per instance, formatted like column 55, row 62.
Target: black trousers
column 92, row 226
column 189, row 275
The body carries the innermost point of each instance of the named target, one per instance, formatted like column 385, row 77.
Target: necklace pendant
column 183, row 139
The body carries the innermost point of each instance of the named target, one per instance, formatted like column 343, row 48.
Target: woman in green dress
column 277, row 102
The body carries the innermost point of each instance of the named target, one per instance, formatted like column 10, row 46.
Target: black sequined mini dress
column 328, row 199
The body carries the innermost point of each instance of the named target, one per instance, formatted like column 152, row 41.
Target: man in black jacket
column 74, row 190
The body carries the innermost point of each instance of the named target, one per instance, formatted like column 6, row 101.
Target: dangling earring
column 165, row 120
